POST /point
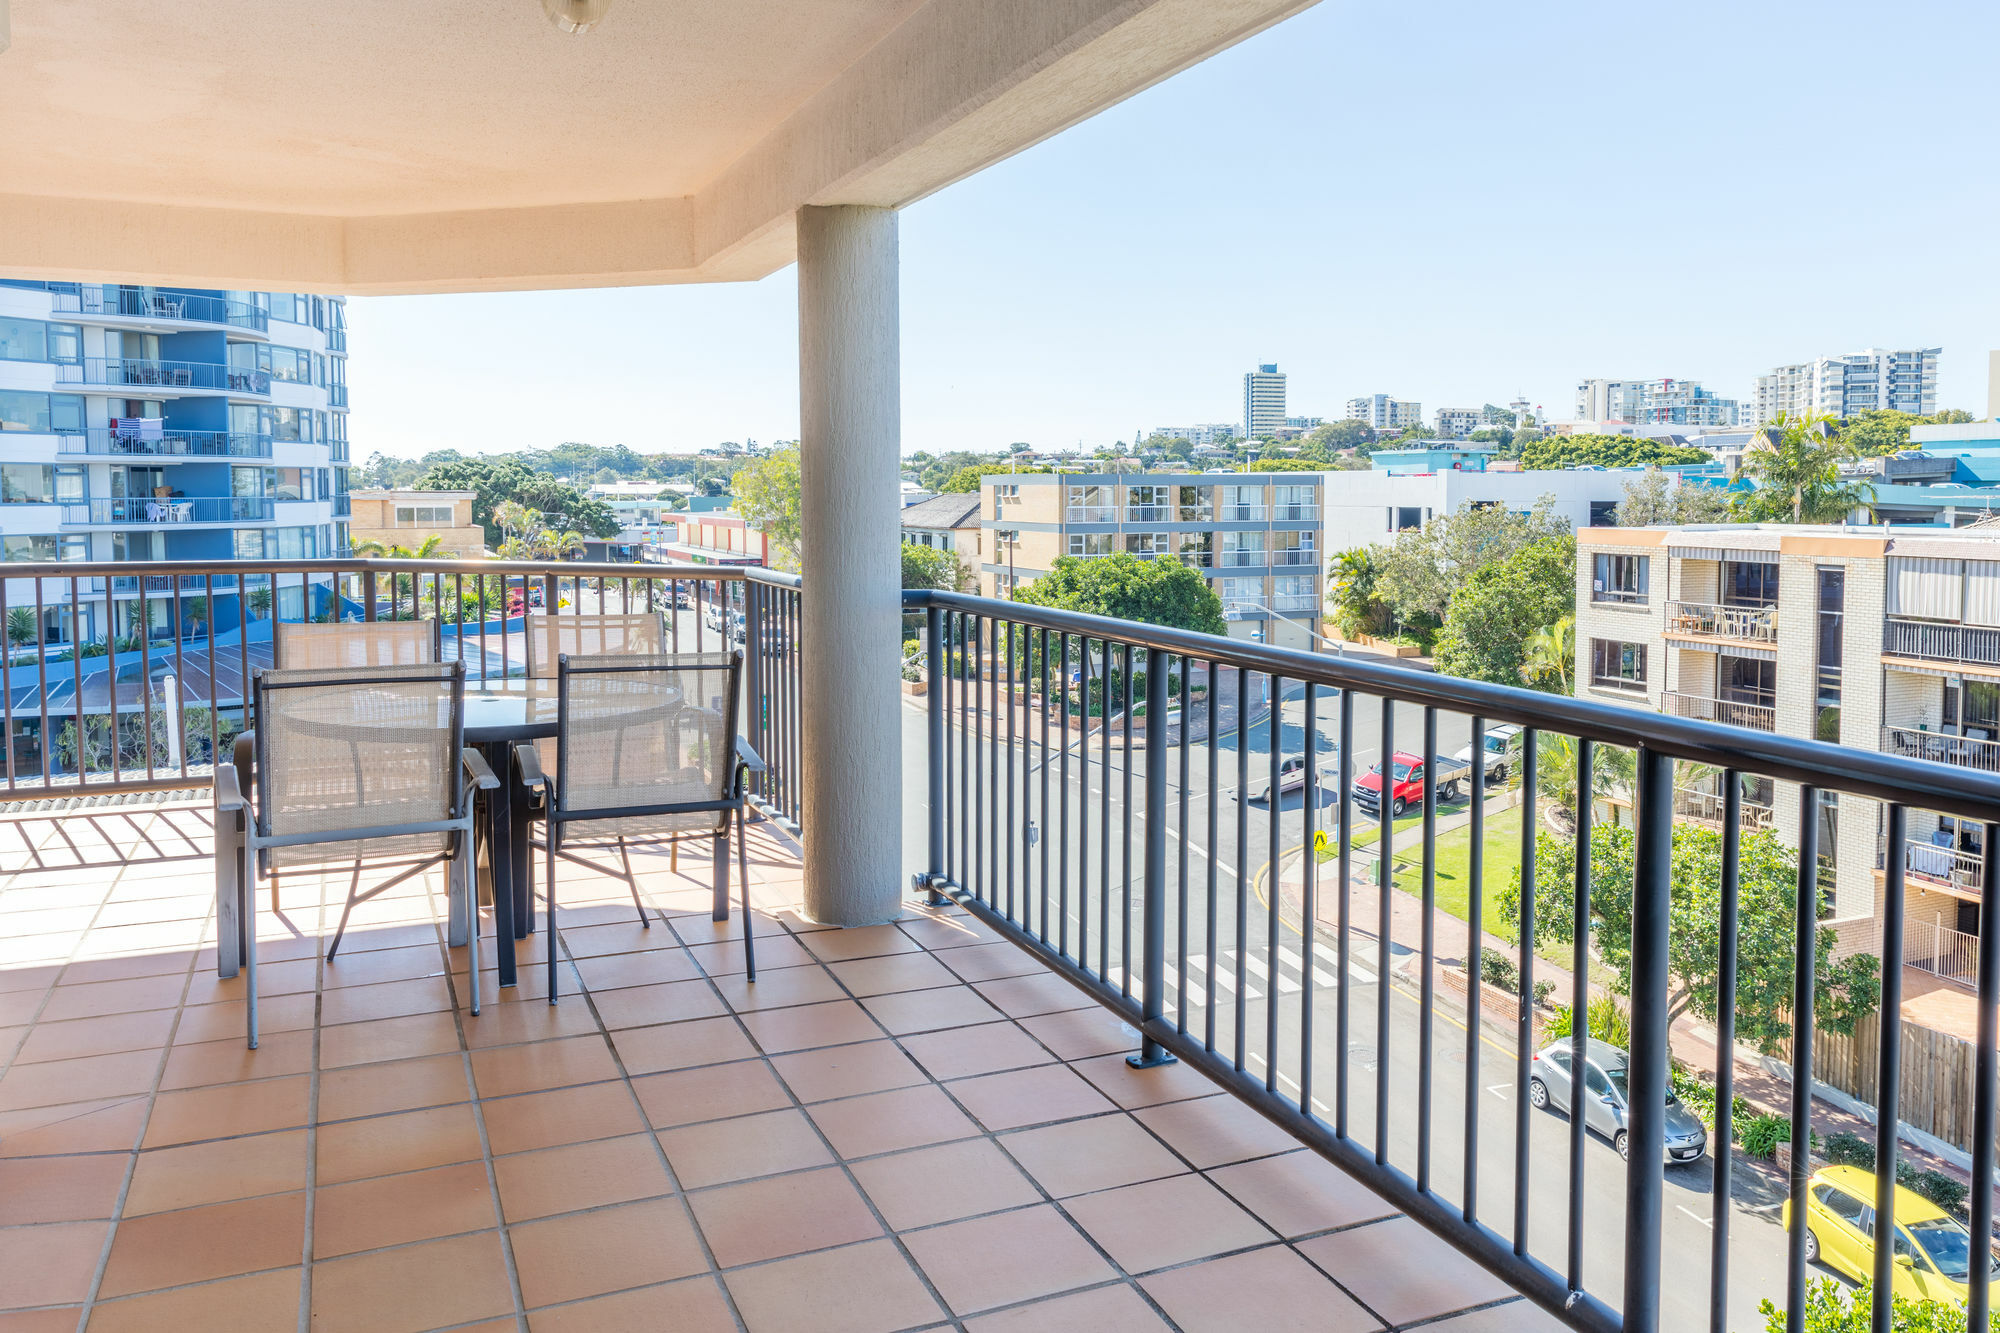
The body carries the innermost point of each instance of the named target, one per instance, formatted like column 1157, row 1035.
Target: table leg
column 520, row 832
column 498, row 806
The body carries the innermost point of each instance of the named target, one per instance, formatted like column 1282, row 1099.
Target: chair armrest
column 228, row 791
column 478, row 770
column 246, row 750
column 747, row 757
column 529, row 762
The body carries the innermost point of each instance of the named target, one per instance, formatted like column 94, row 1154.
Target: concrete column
column 850, row 424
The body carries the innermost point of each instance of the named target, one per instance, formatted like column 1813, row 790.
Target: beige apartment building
column 1878, row 638
column 1255, row 536
column 407, row 518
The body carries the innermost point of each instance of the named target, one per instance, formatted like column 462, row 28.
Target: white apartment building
column 1368, row 508
column 1455, row 423
column 1880, row 638
column 1381, row 412
column 1902, row 381
column 1658, row 402
column 1263, row 402
column 1211, row 433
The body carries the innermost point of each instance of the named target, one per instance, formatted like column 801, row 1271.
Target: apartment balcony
column 1241, row 513
column 1939, row 748
column 170, row 378
column 1257, row 559
column 1707, row 620
column 132, row 307
column 343, row 506
column 1933, row 641
column 1940, row 866
column 1731, row 712
column 1712, row 809
column 200, row 511
column 930, row 1120
column 1149, row 513
column 167, row 444
column 1294, row 513
column 1090, row 514
column 1294, row 556
column 336, row 395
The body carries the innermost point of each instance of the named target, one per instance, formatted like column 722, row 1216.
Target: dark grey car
column 1604, row 1100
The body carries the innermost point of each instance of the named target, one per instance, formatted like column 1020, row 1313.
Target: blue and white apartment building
column 167, row 423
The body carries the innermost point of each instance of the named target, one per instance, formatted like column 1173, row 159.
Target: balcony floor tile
column 893, row 1128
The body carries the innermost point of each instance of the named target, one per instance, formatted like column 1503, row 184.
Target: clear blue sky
column 1455, row 203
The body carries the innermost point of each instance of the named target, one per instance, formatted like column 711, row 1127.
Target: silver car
column 1604, row 1101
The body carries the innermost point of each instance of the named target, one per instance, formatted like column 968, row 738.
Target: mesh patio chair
column 549, row 636
column 350, row 643
column 360, row 766
column 646, row 751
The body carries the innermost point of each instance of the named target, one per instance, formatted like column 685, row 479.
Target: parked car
column 1933, row 1249
column 1406, row 785
column 1503, row 750
column 1605, row 1104
column 1291, row 777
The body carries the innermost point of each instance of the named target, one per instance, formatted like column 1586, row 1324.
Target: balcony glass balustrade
column 165, row 443
column 124, row 372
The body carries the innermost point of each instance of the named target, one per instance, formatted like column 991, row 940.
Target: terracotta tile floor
column 906, row 1126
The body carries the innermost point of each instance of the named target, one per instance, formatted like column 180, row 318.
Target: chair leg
column 721, row 846
column 743, row 869
column 353, row 887
column 632, row 883
column 549, row 903
column 228, row 894
column 246, row 887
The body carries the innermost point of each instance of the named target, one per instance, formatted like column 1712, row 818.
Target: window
column 1240, row 594
column 34, row 340
column 1092, row 504
column 1621, row 578
column 1847, row 1208
column 1197, row 504
column 27, row 483
column 1292, row 502
column 1749, row 583
column 440, row 515
column 1294, row 592
column 40, row 413
column 24, row 546
column 1603, row 513
column 249, row 544
column 1197, row 548
column 1243, row 548
column 1240, row 504
column 1090, row 543
column 1405, row 518
column 1147, row 544
column 1619, row 666
column 297, row 543
column 284, row 423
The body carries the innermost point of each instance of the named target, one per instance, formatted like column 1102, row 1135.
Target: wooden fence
column 1936, row 1094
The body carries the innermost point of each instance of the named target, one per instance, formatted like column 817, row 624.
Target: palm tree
column 515, row 518
column 1549, row 653
column 570, row 546
column 21, row 625
column 1801, row 461
column 1614, row 772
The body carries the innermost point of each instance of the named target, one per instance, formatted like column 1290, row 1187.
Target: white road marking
column 1697, row 1217
column 1502, row 1090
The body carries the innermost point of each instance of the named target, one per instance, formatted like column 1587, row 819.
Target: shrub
column 1849, row 1149
column 1497, row 969
column 1544, row 989
column 1947, row 1192
column 1760, row 1135
column 1560, row 1023
column 1609, row 1023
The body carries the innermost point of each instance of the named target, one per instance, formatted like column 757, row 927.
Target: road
column 1757, row 1256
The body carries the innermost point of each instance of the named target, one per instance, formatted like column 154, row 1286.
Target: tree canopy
column 1884, row 431
column 1157, row 592
column 933, row 567
column 767, row 496
column 1500, row 607
column 496, row 481
column 965, row 481
column 1767, row 889
column 1418, row 573
column 1797, row 466
column 1334, row 436
column 1651, row 500
column 1550, row 452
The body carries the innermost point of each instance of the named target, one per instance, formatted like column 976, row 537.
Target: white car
column 1503, row 749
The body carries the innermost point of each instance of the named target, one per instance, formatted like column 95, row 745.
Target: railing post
column 1645, row 1168
column 753, row 674
column 934, row 675
column 367, row 594
column 1153, row 1000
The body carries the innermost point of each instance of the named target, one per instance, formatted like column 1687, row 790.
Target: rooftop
column 901, row 1126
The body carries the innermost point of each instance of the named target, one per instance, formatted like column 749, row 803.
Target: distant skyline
column 1458, row 207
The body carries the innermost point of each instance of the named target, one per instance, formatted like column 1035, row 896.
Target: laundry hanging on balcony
column 137, row 428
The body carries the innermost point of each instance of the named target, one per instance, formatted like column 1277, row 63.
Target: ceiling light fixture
column 577, row 16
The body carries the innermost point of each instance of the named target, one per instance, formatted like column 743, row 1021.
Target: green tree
column 21, row 626
column 767, row 495
column 494, row 481
column 1500, row 415
column 1796, row 465
column 1418, row 573
column 1286, row 465
column 1335, row 436
column 1767, row 887
column 1157, row 592
column 1501, row 606
column 1613, row 771
column 1178, row 448
column 1551, row 652
column 1885, row 431
column 1552, row 452
column 965, row 481
column 934, row 567
column 1357, row 608
column 1650, row 500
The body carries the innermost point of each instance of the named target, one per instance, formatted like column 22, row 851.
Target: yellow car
column 1933, row 1250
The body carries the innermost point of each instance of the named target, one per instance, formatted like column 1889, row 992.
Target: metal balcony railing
column 1239, row 513
column 164, row 511
column 1939, row 865
column 123, row 372
column 1090, row 514
column 1701, row 707
column 1294, row 513
column 166, row 444
column 1064, row 818
column 1294, row 555
column 1148, row 513
column 176, row 307
column 1251, row 559
column 1746, row 624
column 1939, row 748
column 1940, row 642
